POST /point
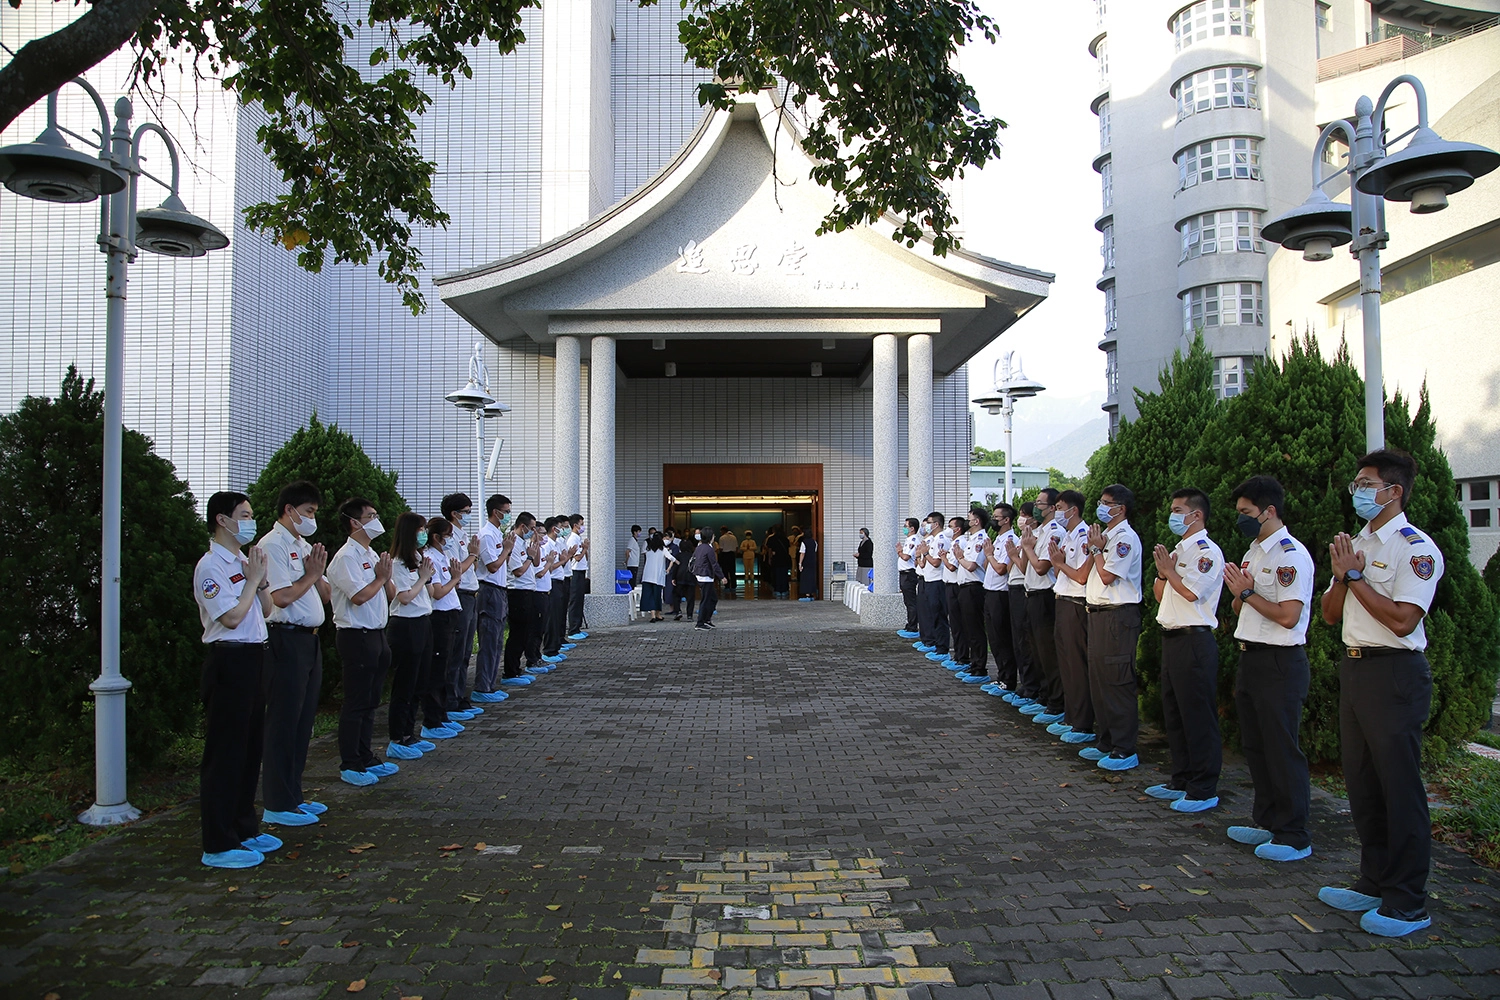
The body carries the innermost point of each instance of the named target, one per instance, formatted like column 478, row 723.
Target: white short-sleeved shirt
column 442, row 572
column 971, row 547
column 565, row 547
column 286, row 552
column 491, row 544
column 993, row 578
column 405, row 579
column 1403, row 564
column 632, row 552
column 351, row 570
column 218, row 583
column 655, row 569
column 543, row 579
column 581, row 561
column 456, row 548
column 1043, row 534
column 950, row 561
column 1122, row 557
column 1075, row 548
column 937, row 544
column 907, row 558
column 1017, row 575
column 519, row 556
column 1200, row 563
column 1282, row 569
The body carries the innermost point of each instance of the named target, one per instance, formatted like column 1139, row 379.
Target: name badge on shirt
column 366, row 565
column 292, row 554
column 238, row 577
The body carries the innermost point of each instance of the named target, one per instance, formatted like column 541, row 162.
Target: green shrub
column 51, row 457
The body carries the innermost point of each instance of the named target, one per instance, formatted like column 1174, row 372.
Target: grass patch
column 1487, row 738
column 1471, row 785
column 1329, row 776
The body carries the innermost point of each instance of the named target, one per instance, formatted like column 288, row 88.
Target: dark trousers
column 494, row 606
column 1190, row 707
column 540, row 601
column 933, row 614
column 710, row 601
column 970, row 601
column 1071, row 639
column 909, row 598
column 1383, row 703
column 553, row 616
column 689, row 590
column 1041, row 619
column 997, row 629
column 958, row 636
column 1028, row 679
column 294, row 679
column 365, row 656
column 577, row 587
column 461, row 652
column 1113, row 633
column 522, row 623
column 434, row 695
column 726, row 564
column 411, row 668
column 232, row 686
column 1269, row 688
column 781, row 579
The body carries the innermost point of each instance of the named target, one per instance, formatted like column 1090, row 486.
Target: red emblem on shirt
column 1205, row 564
column 1122, row 549
column 292, row 554
column 1286, row 575
column 367, row 565
column 240, row 576
column 1423, row 567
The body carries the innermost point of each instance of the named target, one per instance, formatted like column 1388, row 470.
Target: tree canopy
column 887, row 117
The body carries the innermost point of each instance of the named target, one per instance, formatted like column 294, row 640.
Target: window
column 1460, row 257
column 1229, row 375
column 1101, row 7
column 1479, row 491
column 1107, row 183
column 1324, row 14
column 1114, row 423
column 1213, row 19
column 1111, row 319
column 1479, row 517
column 1107, row 247
column 1103, row 125
column 1236, row 231
column 1102, row 54
column 1220, row 87
column 1235, row 303
column 1111, row 373
column 1234, row 158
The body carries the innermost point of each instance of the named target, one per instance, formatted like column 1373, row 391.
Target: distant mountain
column 1071, row 452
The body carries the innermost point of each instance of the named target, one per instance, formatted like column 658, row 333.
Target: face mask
column 905, row 530
column 1060, row 516
column 1365, row 505
column 306, row 526
column 1249, row 526
column 374, row 529
column 421, row 539
column 1178, row 523
column 527, row 535
column 465, row 519
column 1102, row 512
column 697, row 536
column 244, row 532
column 504, row 521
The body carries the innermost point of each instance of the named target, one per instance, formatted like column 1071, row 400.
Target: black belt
column 1184, row 629
column 353, row 629
column 1245, row 645
column 237, row 643
column 312, row 629
column 1070, row 600
column 1099, row 608
column 486, row 583
column 1365, row 652
column 972, row 583
column 908, row 571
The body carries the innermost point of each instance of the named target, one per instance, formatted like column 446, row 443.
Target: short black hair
column 575, row 518
column 1028, row 508
column 913, row 523
column 634, row 528
column 1006, row 511
column 1048, row 495
column 548, row 524
column 295, row 495
column 1123, row 495
column 937, row 515
column 351, row 510
column 982, row 514
column 1395, row 467
column 524, row 518
column 1071, row 498
column 455, row 502
column 1196, row 499
column 1263, row 492
column 223, row 502
column 496, row 502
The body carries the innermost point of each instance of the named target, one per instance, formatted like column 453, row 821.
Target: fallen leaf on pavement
column 450, row 847
column 616, row 976
column 568, row 925
column 544, row 980
column 355, row 987
column 284, row 942
column 286, row 923
column 553, row 906
column 481, row 845
column 232, row 888
column 293, row 855
column 539, row 866
column 349, row 944
column 1063, row 785
column 1198, row 892
column 1146, row 885
column 465, row 895
column 391, row 899
column 94, row 916
column 1304, row 923
column 360, row 848
column 52, row 996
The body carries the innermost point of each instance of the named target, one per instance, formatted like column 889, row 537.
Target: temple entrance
column 750, row 498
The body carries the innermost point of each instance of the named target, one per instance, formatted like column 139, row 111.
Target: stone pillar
column 603, row 607
column 565, row 407
column 919, row 424
column 884, row 607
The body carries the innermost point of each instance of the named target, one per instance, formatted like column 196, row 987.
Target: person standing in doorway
column 793, row 543
column 808, row 562
column 687, row 583
column 748, row 550
column 779, row 560
column 633, row 555
column 729, row 552
column 864, row 557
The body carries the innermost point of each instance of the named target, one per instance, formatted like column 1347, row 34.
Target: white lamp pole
column 475, row 398
column 49, row 170
column 1011, row 384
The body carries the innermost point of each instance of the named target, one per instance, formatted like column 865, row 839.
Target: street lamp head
column 1018, row 386
column 51, row 170
column 172, row 231
column 471, row 397
column 994, row 405
column 495, row 409
column 1315, row 227
column 1428, row 170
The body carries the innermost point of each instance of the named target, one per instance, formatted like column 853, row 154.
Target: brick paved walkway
column 786, row 804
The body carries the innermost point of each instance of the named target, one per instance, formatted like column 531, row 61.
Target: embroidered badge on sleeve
column 1122, row 549
column 1205, row 564
column 1423, row 567
column 210, row 589
column 1286, row 575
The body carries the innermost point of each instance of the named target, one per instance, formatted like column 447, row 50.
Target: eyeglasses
column 1365, row 484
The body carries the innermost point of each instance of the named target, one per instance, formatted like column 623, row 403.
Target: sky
column 1036, row 207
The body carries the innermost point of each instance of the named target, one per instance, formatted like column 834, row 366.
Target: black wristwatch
column 1246, row 594
column 1352, row 576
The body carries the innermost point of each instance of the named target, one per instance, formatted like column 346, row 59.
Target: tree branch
column 46, row 63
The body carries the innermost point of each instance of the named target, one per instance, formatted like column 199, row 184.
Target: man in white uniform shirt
column 494, row 597
column 932, row 601
column 1070, row 558
column 462, row 550
column 1273, row 591
column 906, row 568
column 1188, row 581
column 294, row 571
column 1384, row 580
column 997, row 598
column 361, row 589
column 549, row 594
column 233, row 600
column 968, row 558
column 1114, row 605
column 633, row 555
column 521, row 566
column 1041, row 604
column 579, row 584
column 1028, row 674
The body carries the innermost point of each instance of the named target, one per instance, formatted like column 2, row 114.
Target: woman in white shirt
column 447, row 613
column 409, row 632
column 654, row 577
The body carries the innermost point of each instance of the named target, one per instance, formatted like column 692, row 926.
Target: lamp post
column 1424, row 174
column 49, row 170
column 475, row 398
column 1011, row 384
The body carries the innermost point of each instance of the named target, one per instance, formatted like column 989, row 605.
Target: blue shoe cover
column 1035, row 708
column 558, row 658
column 1113, row 763
column 452, row 727
column 1378, row 923
column 1348, row 900
column 437, row 734
column 472, row 713
column 972, row 678
column 907, row 635
column 1091, row 753
column 1059, row 728
column 1186, row 805
column 359, row 778
column 517, row 681
column 400, row 752
column 233, row 859
column 383, row 769
column 993, row 687
column 296, row 817
column 313, row 808
column 937, row 657
column 1280, row 852
column 485, row 697
column 424, row 746
column 998, row 692
column 1166, row 793
column 463, row 715
column 539, row 669
column 951, row 664
column 1077, row 737
column 568, row 647
column 924, row 647
column 578, row 636
column 262, row 842
column 1047, row 718
column 1252, row 835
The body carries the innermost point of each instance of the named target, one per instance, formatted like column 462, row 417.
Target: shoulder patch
column 1412, row 536
column 210, row 589
column 1205, row 564
column 1288, row 545
column 1122, row 549
column 1423, row 566
column 1203, row 543
column 1286, row 575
